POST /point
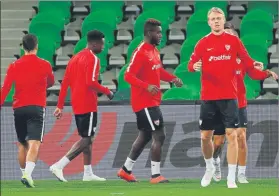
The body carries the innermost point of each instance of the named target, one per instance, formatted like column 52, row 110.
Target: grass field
column 266, row 187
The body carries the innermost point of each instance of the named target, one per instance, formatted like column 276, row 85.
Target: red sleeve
column 248, row 62
column 133, row 69
column 50, row 75
column 196, row 56
column 256, row 74
column 166, row 76
column 92, row 73
column 64, row 88
column 8, row 82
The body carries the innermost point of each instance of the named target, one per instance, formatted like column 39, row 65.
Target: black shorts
column 209, row 114
column 242, row 117
column 29, row 123
column 86, row 124
column 150, row 119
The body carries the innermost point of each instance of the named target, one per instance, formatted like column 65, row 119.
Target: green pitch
column 266, row 187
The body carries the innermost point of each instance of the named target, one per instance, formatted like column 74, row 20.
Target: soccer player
column 31, row 77
column 81, row 76
column 144, row 74
column 218, row 52
column 219, row 133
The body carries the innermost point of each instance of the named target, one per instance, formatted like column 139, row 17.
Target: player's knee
column 241, row 136
column 231, row 135
column 206, row 136
column 159, row 136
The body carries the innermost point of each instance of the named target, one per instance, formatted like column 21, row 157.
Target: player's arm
column 133, row 69
column 257, row 74
column 64, row 89
column 166, row 76
column 195, row 57
column 8, row 82
column 92, row 73
column 50, row 76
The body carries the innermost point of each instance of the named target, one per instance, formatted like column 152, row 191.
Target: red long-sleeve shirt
column 145, row 69
column 254, row 74
column 31, row 76
column 81, row 76
column 218, row 54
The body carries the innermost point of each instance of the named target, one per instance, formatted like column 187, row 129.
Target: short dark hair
column 229, row 25
column 150, row 24
column 29, row 42
column 94, row 35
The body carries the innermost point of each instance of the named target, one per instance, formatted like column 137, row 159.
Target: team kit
column 222, row 60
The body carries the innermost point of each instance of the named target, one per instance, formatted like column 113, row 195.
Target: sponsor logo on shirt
column 220, row 58
column 154, row 67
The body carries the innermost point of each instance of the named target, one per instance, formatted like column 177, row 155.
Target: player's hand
column 57, row 113
column 111, row 95
column 258, row 65
column 153, row 89
column 177, row 82
column 272, row 74
column 197, row 66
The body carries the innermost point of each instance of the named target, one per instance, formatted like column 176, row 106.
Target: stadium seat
column 166, row 7
column 103, row 21
column 139, row 24
column 102, row 56
column 188, row 47
column 116, row 7
column 133, row 45
column 191, row 79
column 48, row 25
column 250, row 93
column 181, row 94
column 122, row 94
column 207, row 5
column 254, row 85
column 122, row 84
column 181, row 67
column 10, row 96
column 197, row 24
column 270, row 7
column 257, row 47
column 59, row 7
column 253, row 20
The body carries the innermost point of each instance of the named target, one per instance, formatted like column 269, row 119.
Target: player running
column 219, row 133
column 81, row 76
column 144, row 74
column 218, row 52
column 31, row 77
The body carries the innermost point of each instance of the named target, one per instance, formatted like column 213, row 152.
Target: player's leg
column 143, row 138
column 35, row 132
column 207, row 124
column 218, row 142
column 242, row 146
column 22, row 152
column 87, row 154
column 229, row 110
column 84, row 126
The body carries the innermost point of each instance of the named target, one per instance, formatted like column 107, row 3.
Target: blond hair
column 215, row 9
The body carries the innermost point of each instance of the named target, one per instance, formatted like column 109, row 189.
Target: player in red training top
column 218, row 52
column 81, row 76
column 219, row 132
column 31, row 77
column 144, row 74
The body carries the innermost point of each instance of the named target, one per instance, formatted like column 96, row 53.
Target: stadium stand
column 61, row 27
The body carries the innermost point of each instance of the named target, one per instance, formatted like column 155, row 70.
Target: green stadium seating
column 271, row 7
column 188, row 47
column 207, row 5
column 139, row 24
column 102, row 56
column 133, row 45
column 58, row 7
column 181, row 67
column 254, row 85
column 48, row 25
column 257, row 47
column 115, row 7
column 103, row 21
column 122, row 94
column 122, row 84
column 257, row 22
column 166, row 7
column 10, row 96
column 180, row 94
column 191, row 79
column 250, row 92
column 197, row 24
